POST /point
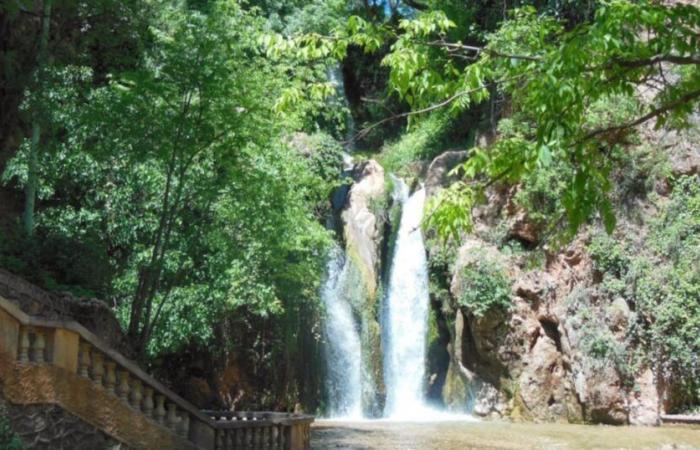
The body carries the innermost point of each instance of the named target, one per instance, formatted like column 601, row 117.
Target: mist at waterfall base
column 405, row 328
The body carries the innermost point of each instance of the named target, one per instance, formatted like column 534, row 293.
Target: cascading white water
column 343, row 350
column 406, row 312
column 335, row 77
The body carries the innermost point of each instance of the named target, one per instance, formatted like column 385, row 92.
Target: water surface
column 454, row 435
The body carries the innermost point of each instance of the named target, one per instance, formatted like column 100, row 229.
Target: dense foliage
column 203, row 201
column 176, row 158
column 485, row 287
column 659, row 277
column 555, row 71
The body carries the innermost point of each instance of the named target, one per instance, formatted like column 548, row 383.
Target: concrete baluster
column 84, row 359
column 123, row 388
column 39, row 346
column 265, row 437
column 136, row 395
column 275, row 437
column 220, row 439
column 172, row 416
column 227, row 439
column 248, row 437
column 110, row 376
column 148, row 401
column 281, row 436
column 183, row 425
column 98, row 368
column 257, row 436
column 239, row 438
column 160, row 409
column 23, row 345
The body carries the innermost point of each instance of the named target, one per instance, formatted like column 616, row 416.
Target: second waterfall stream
column 406, row 311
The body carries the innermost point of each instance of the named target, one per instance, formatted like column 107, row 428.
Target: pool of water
column 460, row 434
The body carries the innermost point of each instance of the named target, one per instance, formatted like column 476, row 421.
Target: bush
column 8, row 439
column 661, row 280
column 609, row 254
column 423, row 142
column 485, row 287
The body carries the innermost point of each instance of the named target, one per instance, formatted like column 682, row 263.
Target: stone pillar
column 123, row 388
column 24, row 345
column 136, row 395
column 84, row 359
column 203, row 434
column 148, row 401
column 9, row 334
column 39, row 346
column 98, row 369
column 110, row 376
column 160, row 409
column 66, row 349
column 172, row 416
column 184, row 426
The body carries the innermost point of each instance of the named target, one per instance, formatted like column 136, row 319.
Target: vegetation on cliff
column 149, row 157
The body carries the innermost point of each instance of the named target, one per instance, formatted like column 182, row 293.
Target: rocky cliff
column 560, row 346
column 363, row 225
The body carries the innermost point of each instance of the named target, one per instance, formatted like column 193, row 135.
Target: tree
column 31, row 186
column 553, row 73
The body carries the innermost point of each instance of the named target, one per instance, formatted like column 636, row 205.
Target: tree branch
column 364, row 131
column 690, row 96
column 673, row 59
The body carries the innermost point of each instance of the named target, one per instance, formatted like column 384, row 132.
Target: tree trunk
column 33, row 157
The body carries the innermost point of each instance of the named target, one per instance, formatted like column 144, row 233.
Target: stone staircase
column 59, row 363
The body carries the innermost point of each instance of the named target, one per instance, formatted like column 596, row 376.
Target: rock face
column 363, row 224
column 362, row 227
column 530, row 362
column 93, row 314
column 438, row 173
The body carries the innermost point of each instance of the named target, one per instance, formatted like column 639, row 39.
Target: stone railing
column 260, row 430
column 34, row 342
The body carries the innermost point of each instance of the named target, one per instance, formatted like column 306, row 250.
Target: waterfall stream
column 406, row 312
column 343, row 350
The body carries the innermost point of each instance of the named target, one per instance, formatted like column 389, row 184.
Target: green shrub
column 661, row 280
column 609, row 254
column 8, row 439
column 485, row 287
column 422, row 142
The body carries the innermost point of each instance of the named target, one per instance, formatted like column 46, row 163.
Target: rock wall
column 363, row 224
column 529, row 362
column 50, row 427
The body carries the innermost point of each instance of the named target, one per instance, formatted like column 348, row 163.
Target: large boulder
column 438, row 174
column 362, row 227
column 363, row 224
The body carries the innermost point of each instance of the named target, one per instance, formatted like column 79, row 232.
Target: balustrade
column 97, row 368
column 110, row 376
column 71, row 347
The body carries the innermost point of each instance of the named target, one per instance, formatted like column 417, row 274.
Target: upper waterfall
column 406, row 307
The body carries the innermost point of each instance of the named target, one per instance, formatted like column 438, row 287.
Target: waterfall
column 335, row 77
column 406, row 311
column 343, row 351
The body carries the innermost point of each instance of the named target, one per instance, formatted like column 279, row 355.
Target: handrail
column 234, row 419
column 80, row 351
column 87, row 335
